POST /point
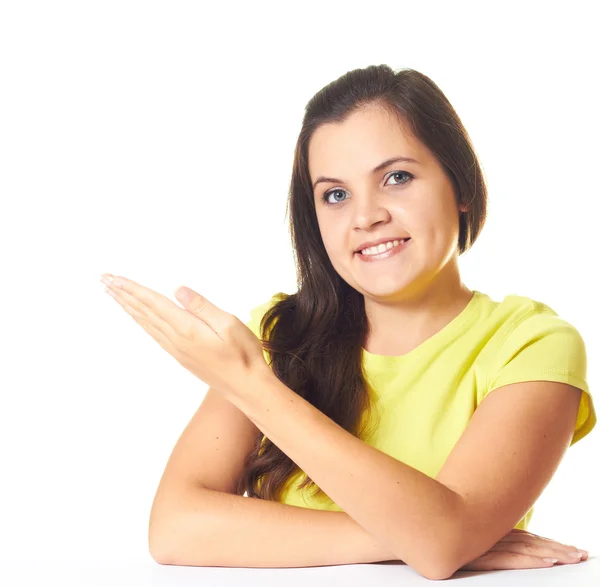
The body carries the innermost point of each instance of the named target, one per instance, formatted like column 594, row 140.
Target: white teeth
column 382, row 247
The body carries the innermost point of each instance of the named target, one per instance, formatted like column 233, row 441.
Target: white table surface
column 149, row 573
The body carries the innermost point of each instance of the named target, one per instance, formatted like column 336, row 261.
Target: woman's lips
column 386, row 254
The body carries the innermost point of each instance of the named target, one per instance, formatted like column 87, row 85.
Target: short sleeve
column 256, row 315
column 544, row 347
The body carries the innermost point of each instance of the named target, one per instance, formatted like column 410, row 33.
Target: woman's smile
column 391, row 252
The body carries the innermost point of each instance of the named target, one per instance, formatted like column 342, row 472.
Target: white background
column 154, row 140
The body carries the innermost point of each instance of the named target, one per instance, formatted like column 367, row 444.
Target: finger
column 524, row 536
column 141, row 313
column 518, row 535
column 491, row 561
column 159, row 309
column 196, row 304
column 540, row 548
column 141, row 319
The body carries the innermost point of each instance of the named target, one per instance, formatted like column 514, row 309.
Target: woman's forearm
column 212, row 528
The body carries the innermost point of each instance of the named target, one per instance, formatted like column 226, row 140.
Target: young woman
column 463, row 405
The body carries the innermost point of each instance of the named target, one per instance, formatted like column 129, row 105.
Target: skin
column 420, row 290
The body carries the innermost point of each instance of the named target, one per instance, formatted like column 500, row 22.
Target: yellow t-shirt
column 423, row 400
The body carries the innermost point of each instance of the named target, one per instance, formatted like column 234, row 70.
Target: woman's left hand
column 210, row 343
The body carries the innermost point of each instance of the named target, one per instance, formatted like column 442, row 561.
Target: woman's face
column 404, row 199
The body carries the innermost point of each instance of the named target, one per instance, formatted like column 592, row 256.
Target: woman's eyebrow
column 375, row 170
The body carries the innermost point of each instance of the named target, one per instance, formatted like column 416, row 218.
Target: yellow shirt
column 424, row 399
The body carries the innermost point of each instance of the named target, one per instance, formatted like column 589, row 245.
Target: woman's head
column 351, row 126
column 404, row 199
column 315, row 336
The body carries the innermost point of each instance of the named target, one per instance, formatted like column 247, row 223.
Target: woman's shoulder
column 526, row 336
column 534, row 343
column 523, row 312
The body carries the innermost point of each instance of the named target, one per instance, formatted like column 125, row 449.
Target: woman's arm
column 211, row 528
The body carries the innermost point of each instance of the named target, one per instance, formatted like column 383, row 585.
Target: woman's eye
column 408, row 176
column 325, row 197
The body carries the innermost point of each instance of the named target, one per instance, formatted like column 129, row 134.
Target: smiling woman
column 397, row 350
column 428, row 412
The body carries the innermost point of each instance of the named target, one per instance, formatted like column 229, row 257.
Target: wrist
column 250, row 391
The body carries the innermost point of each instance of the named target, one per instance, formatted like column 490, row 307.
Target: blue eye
column 325, row 196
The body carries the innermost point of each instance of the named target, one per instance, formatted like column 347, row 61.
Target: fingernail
column 576, row 554
column 551, row 560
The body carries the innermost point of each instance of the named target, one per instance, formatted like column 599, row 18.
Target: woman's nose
column 369, row 211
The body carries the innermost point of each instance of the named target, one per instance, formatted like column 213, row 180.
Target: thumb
column 199, row 306
column 185, row 295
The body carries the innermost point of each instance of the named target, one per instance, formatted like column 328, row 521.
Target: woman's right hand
column 523, row 550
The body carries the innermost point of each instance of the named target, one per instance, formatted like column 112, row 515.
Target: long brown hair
column 315, row 336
